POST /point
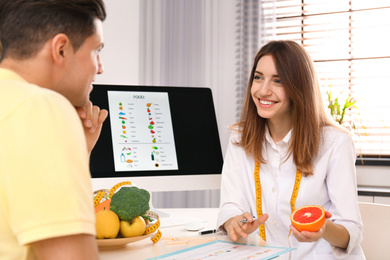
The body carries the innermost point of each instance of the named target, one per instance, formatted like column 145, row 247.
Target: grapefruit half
column 310, row 218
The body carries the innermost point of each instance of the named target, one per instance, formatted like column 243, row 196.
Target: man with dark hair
column 48, row 61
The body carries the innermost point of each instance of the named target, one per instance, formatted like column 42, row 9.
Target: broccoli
column 130, row 202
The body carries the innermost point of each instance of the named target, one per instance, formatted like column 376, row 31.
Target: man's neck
column 30, row 69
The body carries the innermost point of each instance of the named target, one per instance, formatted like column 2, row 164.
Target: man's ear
column 61, row 47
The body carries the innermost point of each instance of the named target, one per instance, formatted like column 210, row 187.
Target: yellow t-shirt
column 45, row 186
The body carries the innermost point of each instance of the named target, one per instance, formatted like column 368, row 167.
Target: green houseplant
column 338, row 110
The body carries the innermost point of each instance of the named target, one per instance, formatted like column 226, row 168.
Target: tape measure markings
column 157, row 237
column 98, row 198
column 259, row 199
column 116, row 186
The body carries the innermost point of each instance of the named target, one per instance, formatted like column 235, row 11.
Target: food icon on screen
column 157, row 165
column 154, row 148
column 123, row 123
column 151, row 122
column 154, row 156
column 125, row 155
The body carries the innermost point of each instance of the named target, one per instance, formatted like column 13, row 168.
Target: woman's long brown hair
column 296, row 72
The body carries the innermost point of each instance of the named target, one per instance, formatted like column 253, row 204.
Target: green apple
column 134, row 228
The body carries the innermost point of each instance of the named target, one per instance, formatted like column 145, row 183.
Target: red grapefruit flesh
column 310, row 218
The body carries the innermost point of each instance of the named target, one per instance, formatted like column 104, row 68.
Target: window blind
column 348, row 42
column 246, row 42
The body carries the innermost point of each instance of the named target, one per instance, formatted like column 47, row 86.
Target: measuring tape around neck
column 259, row 206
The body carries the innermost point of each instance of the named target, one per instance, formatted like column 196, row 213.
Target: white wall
column 120, row 55
column 121, row 59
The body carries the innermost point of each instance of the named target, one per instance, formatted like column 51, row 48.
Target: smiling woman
column 286, row 153
column 270, row 98
column 292, row 76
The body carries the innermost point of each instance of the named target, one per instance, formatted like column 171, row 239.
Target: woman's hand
column 236, row 229
column 307, row 236
column 92, row 118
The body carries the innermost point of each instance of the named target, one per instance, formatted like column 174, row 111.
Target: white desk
column 146, row 249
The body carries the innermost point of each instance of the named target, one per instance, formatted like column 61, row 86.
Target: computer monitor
column 160, row 138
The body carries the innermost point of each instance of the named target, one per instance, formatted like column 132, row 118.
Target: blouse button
column 273, row 189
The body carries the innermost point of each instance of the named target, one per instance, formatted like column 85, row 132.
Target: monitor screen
column 156, row 131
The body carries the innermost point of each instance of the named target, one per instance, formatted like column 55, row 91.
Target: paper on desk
column 187, row 240
column 173, row 221
column 226, row 250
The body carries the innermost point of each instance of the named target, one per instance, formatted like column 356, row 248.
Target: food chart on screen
column 142, row 132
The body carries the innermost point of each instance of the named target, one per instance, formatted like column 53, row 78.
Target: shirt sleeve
column 233, row 195
column 48, row 187
column 342, row 187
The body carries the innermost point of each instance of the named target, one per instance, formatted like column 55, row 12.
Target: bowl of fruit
column 123, row 216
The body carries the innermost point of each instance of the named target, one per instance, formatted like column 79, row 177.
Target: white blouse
column 333, row 186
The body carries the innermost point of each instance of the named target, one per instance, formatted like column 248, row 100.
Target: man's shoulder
column 22, row 95
column 22, row 90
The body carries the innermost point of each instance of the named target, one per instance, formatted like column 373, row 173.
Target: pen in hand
column 244, row 220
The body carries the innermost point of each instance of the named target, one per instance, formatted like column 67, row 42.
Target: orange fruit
column 310, row 218
column 103, row 205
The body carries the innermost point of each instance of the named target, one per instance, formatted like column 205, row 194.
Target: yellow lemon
column 107, row 224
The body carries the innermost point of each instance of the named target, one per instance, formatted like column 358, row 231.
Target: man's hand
column 236, row 229
column 92, row 118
